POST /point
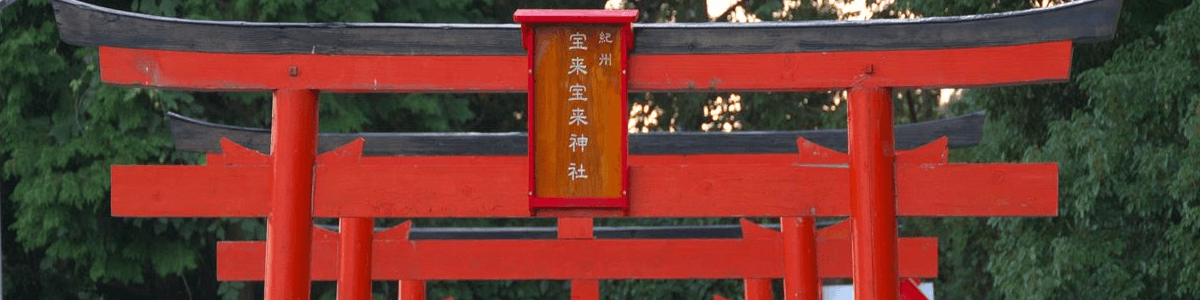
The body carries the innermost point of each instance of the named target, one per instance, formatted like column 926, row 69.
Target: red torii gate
column 300, row 185
column 241, row 261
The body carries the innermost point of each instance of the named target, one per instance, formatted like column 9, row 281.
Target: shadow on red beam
column 660, row 186
column 576, row 259
column 997, row 65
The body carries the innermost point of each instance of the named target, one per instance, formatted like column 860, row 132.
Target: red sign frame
column 530, row 20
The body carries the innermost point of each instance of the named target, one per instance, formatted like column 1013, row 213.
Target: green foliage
column 1124, row 134
column 754, row 111
column 62, row 130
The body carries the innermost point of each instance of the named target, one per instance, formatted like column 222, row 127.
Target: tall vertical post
column 412, row 290
column 289, row 224
column 354, row 258
column 800, row 281
column 580, row 228
column 758, row 288
column 873, row 193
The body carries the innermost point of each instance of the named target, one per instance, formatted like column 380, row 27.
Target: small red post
column 580, row 228
column 800, row 281
column 758, row 288
column 289, row 224
column 585, row 289
column 873, row 193
column 412, row 290
column 354, row 258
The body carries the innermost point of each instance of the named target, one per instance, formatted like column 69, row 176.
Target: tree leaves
column 1123, row 135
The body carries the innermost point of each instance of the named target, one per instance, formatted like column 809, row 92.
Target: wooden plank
column 338, row 73
column 88, row 25
column 191, row 191
column 780, row 72
column 249, row 171
column 690, row 186
column 660, row 186
column 959, row 67
column 757, row 256
column 196, row 135
column 577, row 108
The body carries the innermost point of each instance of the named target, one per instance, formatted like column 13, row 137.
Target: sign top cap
column 592, row 16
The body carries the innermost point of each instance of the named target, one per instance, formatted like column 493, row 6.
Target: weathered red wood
column 585, row 289
column 191, row 191
column 289, row 222
column 412, row 290
column 873, row 189
column 800, row 261
column 758, row 289
column 575, row 228
column 422, row 189
column 910, row 291
column 832, row 70
column 660, row 186
column 342, row 73
column 580, row 229
column 354, row 258
column 1041, row 62
column 758, row 255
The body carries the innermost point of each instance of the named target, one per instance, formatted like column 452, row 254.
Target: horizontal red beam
column 648, row 72
column 759, row 257
column 838, row 70
column 660, row 186
column 191, row 191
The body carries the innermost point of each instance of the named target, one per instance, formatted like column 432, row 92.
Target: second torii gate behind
column 244, row 261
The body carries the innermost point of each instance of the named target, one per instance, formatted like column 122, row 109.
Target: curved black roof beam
column 1081, row 21
column 200, row 136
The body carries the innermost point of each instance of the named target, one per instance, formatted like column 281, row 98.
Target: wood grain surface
column 694, row 73
column 768, row 185
column 578, row 111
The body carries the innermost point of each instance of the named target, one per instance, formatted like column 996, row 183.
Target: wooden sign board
column 578, row 144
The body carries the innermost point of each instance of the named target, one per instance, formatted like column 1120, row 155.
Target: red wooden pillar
column 579, row 228
column 758, row 288
column 354, row 258
column 872, row 193
column 412, row 290
column 289, row 223
column 800, row 281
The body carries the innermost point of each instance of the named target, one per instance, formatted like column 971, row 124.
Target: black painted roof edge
column 601, row 232
column 200, row 136
column 1081, row 21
